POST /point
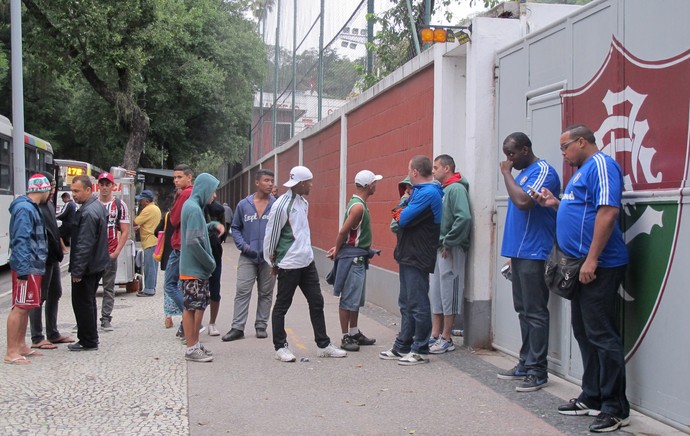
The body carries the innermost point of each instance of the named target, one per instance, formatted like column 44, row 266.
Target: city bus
column 38, row 156
column 68, row 169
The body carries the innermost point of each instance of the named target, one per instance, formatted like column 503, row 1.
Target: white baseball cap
column 366, row 178
column 298, row 174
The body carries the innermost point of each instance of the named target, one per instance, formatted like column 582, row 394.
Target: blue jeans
column 594, row 310
column 415, row 311
column 150, row 271
column 172, row 279
column 531, row 300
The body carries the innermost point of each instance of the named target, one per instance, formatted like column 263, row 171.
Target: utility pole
column 275, row 79
column 320, row 79
column 18, row 164
column 370, row 36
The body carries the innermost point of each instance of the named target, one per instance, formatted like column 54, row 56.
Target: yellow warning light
column 440, row 35
column 427, row 35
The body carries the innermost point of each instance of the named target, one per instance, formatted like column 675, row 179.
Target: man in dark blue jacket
column 419, row 221
column 88, row 259
column 29, row 250
column 248, row 230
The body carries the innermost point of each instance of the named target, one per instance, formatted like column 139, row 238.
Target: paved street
column 139, row 383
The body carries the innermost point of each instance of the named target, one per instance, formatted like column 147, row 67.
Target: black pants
column 594, row 309
column 307, row 279
column 51, row 291
column 85, row 309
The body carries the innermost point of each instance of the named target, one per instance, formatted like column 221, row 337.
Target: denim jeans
column 249, row 273
column 150, row 271
column 531, row 300
column 415, row 311
column 172, row 280
column 594, row 308
column 307, row 279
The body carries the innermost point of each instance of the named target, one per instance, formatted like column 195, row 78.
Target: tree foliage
column 172, row 79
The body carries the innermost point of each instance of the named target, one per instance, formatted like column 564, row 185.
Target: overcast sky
column 337, row 12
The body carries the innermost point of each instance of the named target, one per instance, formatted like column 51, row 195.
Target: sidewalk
column 139, row 383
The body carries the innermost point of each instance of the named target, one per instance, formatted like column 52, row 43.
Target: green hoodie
column 456, row 222
column 196, row 257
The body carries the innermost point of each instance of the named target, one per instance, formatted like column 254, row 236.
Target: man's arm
column 517, row 195
column 603, row 227
column 124, row 230
column 276, row 220
column 351, row 222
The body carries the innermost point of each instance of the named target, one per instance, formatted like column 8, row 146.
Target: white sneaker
column 202, row 329
column 212, row 330
column 331, row 351
column 412, row 359
column 285, row 355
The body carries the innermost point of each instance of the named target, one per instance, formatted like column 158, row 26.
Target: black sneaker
column 180, row 332
column 363, row 340
column 605, row 423
column 532, row 383
column 515, row 373
column 349, row 343
column 576, row 408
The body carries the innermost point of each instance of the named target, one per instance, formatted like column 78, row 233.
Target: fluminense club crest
column 639, row 111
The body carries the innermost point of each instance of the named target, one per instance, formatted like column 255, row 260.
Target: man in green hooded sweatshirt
column 197, row 263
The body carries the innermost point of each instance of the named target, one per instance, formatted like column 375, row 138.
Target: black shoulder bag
column 562, row 273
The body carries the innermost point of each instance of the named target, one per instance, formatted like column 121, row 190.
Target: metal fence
column 316, row 53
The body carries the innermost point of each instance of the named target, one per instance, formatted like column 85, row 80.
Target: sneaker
column 198, row 355
column 285, row 355
column 106, row 326
column 206, row 352
column 390, row 355
column 212, row 330
column 202, row 329
column 441, row 346
column 432, row 340
column 605, row 423
column 331, row 351
column 261, row 333
column 233, row 335
column 349, row 343
column 532, row 383
column 410, row 359
column 180, row 332
column 75, row 329
column 514, row 373
column 363, row 340
column 576, row 408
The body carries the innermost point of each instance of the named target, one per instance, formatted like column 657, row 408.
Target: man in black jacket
column 67, row 216
column 88, row 259
column 51, row 286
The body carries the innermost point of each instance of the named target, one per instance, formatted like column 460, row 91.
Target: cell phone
column 531, row 190
column 506, row 272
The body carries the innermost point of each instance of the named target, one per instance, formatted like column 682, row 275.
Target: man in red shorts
column 29, row 251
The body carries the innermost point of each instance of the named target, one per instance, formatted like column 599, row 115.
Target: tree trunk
column 138, row 129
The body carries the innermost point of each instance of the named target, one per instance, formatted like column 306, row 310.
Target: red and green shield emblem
column 640, row 111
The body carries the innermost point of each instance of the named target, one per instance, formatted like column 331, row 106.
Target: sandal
column 44, row 345
column 62, row 340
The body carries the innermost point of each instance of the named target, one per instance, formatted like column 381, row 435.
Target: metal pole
column 427, row 12
column 294, row 63
column 261, row 92
column 320, row 79
column 18, row 165
column 370, row 36
column 413, row 27
column 275, row 79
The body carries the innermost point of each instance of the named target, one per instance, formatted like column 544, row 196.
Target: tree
column 173, row 75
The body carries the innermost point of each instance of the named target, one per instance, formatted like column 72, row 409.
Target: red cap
column 106, row 175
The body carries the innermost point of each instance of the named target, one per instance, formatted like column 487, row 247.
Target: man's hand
column 587, row 271
column 545, row 198
column 446, row 253
column 220, row 228
column 76, row 279
column 115, row 254
column 331, row 253
column 506, row 167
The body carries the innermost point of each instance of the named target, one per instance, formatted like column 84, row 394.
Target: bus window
column 5, row 166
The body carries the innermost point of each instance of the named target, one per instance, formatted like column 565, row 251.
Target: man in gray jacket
column 88, row 259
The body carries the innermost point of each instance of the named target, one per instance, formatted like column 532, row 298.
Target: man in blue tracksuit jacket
column 419, row 223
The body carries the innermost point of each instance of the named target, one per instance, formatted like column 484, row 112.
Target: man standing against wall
column 351, row 254
column 182, row 178
column 89, row 257
column 527, row 241
column 118, row 233
column 146, row 223
column 248, row 231
column 28, row 254
column 446, row 291
column 287, row 248
column 419, row 222
column 587, row 227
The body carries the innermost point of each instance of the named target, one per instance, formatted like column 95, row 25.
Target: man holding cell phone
column 527, row 241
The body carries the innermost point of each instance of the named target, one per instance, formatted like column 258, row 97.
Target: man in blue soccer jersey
column 587, row 227
column 527, row 242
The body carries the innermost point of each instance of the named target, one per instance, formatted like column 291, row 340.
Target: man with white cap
column 287, row 248
column 351, row 254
